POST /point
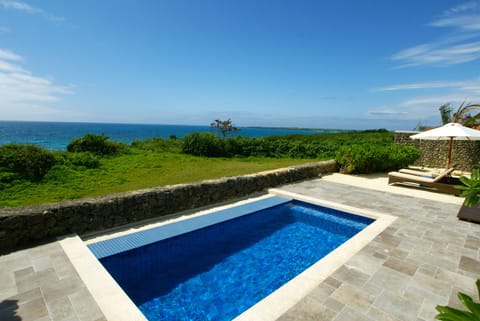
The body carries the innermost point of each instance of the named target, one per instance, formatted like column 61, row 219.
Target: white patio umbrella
column 450, row 131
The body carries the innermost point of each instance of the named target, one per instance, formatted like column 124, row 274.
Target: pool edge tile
column 113, row 302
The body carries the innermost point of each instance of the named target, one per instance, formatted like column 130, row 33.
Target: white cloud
column 426, row 97
column 8, row 55
column 387, row 112
column 25, row 7
column 20, row 90
column 460, row 45
column 425, row 85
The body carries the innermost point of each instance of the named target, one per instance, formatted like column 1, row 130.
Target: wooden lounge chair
column 419, row 172
column 438, row 183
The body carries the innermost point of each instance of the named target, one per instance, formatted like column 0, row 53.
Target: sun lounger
column 419, row 172
column 437, row 183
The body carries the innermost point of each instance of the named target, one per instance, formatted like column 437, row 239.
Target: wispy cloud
column 422, row 100
column 424, row 85
column 25, row 7
column 387, row 112
column 19, row 89
column 460, row 45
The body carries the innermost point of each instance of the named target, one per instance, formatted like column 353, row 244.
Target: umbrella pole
column 449, row 157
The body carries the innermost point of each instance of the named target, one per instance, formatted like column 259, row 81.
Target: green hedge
column 95, row 144
column 203, row 144
column 24, row 162
column 375, row 158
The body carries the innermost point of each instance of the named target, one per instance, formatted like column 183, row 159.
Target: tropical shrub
column 96, row 144
column 85, row 159
column 24, row 162
column 203, row 144
column 375, row 158
column 470, row 188
column 159, row 144
column 451, row 314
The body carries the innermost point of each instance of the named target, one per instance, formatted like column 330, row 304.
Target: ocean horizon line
column 162, row 124
column 56, row 135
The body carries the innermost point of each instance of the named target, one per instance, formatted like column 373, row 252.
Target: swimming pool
column 237, row 258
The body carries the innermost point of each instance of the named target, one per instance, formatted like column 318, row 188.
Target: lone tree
column 224, row 126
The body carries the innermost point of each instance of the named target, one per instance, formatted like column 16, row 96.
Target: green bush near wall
column 375, row 158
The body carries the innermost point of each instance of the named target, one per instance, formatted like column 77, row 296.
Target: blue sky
column 296, row 63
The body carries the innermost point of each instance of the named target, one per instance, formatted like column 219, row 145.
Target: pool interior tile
column 281, row 300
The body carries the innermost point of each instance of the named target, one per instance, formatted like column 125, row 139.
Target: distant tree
column 446, row 113
column 224, row 127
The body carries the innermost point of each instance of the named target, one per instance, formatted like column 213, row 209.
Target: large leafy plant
column 451, row 314
column 471, row 188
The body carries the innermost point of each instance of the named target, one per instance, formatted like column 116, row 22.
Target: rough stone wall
column 30, row 225
column 465, row 153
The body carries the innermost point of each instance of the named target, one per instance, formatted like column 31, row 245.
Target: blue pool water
column 218, row 272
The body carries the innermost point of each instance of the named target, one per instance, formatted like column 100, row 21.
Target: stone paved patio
column 40, row 284
column 423, row 259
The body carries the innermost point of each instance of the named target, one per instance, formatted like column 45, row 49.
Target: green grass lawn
column 141, row 169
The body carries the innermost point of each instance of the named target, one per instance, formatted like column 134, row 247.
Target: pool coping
column 117, row 306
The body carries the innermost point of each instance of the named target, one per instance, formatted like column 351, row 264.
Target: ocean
column 57, row 135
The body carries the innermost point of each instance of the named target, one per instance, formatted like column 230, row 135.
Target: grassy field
column 94, row 166
column 138, row 170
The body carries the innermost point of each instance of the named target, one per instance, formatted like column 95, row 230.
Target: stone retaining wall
column 465, row 153
column 30, row 225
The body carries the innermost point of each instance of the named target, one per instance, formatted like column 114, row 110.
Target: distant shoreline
column 158, row 124
column 57, row 135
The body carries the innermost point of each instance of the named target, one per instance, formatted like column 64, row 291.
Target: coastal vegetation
column 93, row 165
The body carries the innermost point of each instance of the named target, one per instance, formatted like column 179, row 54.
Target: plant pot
column 471, row 214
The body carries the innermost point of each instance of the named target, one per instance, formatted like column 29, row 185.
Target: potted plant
column 470, row 210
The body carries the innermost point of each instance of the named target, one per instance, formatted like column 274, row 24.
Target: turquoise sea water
column 57, row 135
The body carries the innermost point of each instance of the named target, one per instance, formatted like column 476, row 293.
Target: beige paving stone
column 42, row 263
column 428, row 258
column 427, row 310
column 405, row 266
column 308, row 309
column 333, row 305
column 32, row 310
column 349, row 314
column 85, row 307
column 27, row 296
column 428, row 283
column 63, row 266
column 332, row 282
column 472, row 242
column 61, row 309
column 353, row 297
column 470, row 265
column 37, row 279
column 322, row 292
column 350, row 276
column 364, row 263
column 389, row 280
column 397, row 306
column 378, row 315
column 62, row 288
